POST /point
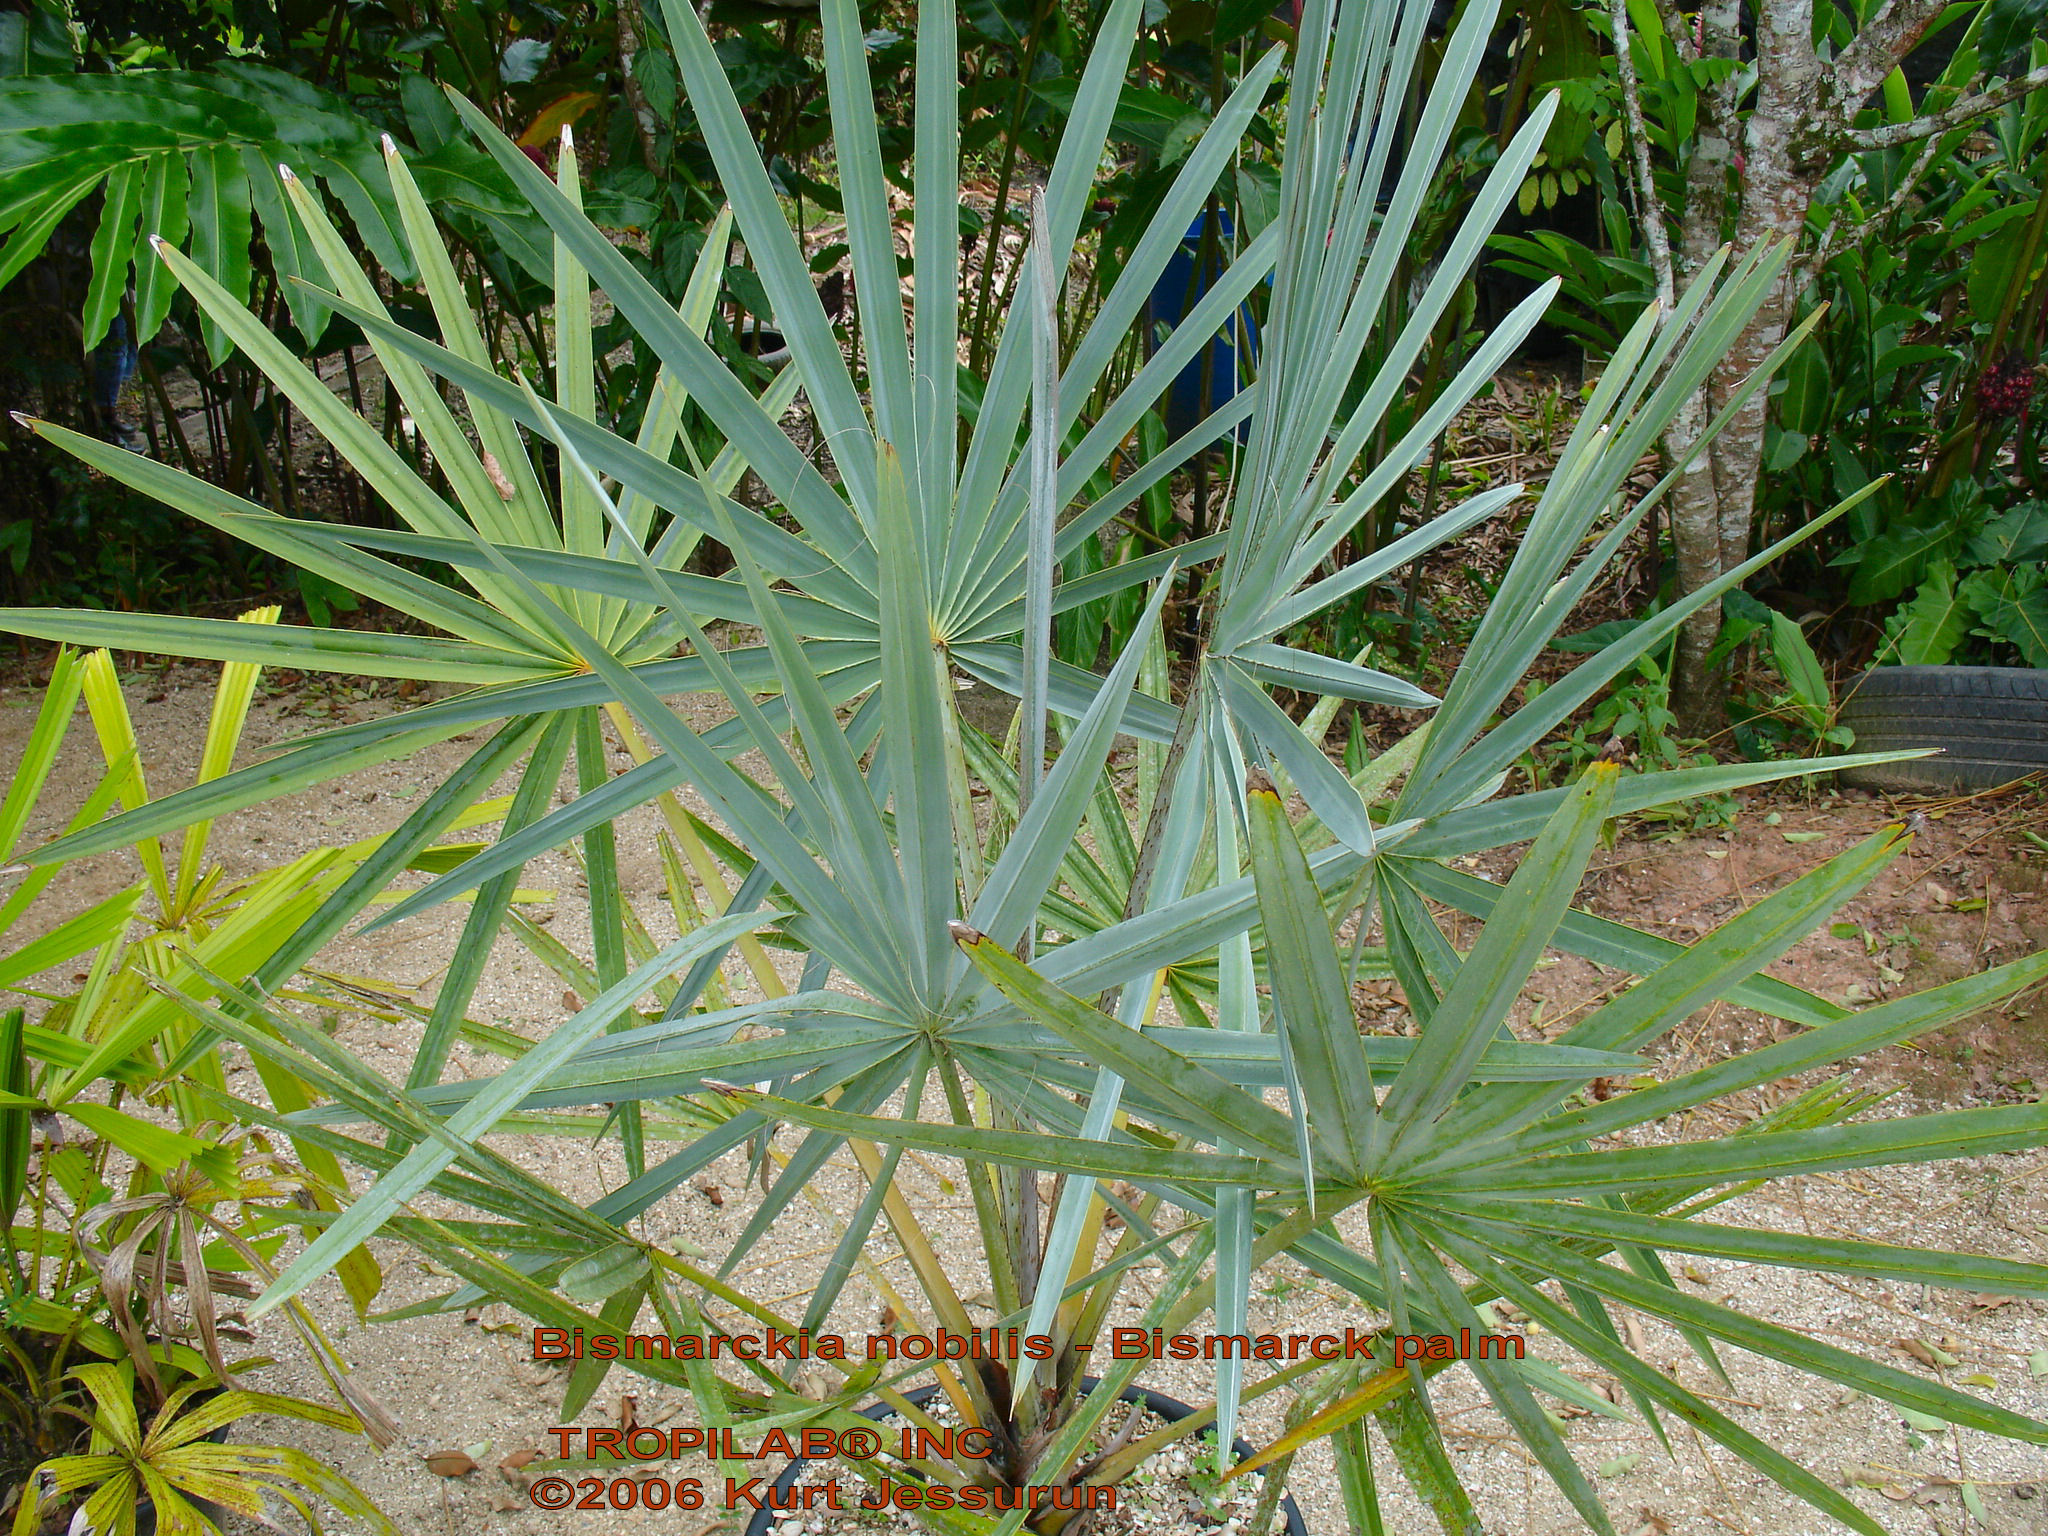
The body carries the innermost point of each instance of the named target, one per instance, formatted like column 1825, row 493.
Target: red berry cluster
column 2006, row 388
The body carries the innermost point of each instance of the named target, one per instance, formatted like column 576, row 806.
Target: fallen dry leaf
column 450, row 1464
column 1917, row 1348
column 518, row 1459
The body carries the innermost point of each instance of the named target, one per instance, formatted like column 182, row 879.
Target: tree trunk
column 1780, row 172
column 1801, row 119
column 1697, row 693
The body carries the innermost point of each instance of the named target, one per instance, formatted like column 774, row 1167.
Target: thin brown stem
column 1651, row 212
column 1891, row 135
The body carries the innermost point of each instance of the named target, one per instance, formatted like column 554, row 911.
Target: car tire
column 1990, row 725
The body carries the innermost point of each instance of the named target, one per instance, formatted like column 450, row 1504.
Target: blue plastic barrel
column 1179, row 289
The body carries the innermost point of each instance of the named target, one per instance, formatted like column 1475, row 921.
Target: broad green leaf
column 1898, row 558
column 1800, row 667
column 221, row 231
column 2013, row 605
column 1926, row 631
column 33, row 233
column 113, row 245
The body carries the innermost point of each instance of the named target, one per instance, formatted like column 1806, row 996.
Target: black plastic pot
column 1171, row 1409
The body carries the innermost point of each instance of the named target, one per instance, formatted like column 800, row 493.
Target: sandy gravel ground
column 467, row 1385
